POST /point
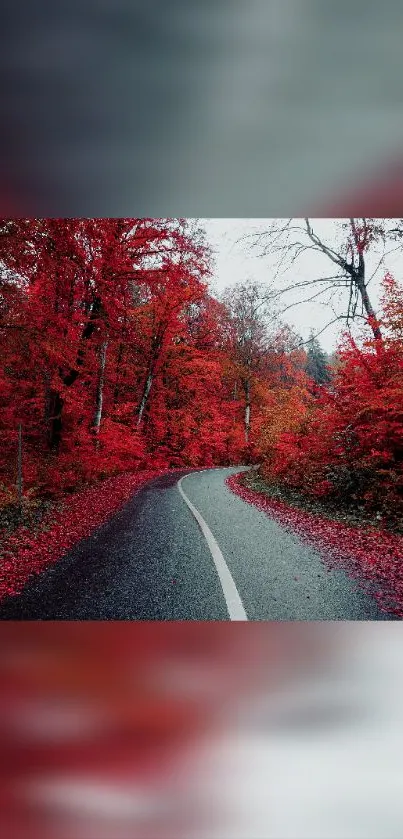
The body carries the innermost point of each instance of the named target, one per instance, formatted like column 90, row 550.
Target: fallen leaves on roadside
column 25, row 554
column 371, row 555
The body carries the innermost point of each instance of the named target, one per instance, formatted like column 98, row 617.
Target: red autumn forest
column 116, row 358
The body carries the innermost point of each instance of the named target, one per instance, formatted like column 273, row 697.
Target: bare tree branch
column 288, row 240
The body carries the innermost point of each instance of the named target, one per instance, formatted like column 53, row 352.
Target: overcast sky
column 233, row 263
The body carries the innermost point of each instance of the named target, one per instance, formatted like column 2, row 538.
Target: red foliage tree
column 346, row 441
column 115, row 356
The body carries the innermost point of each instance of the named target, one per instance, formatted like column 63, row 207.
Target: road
column 154, row 561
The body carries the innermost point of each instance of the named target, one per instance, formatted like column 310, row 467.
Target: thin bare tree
column 248, row 305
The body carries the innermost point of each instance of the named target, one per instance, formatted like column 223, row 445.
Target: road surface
column 191, row 551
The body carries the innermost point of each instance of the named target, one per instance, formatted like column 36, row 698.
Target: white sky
column 234, row 264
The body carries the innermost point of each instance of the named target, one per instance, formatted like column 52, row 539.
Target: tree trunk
column 19, row 472
column 47, row 396
column 369, row 309
column 152, row 365
column 359, row 279
column 73, row 374
column 144, row 398
column 100, row 389
column 116, row 390
column 56, row 403
column 247, row 409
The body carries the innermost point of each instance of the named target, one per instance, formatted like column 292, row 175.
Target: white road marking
column 233, row 601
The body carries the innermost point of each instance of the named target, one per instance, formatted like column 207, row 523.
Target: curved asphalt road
column 151, row 561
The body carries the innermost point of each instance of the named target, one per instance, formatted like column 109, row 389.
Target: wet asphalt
column 151, row 562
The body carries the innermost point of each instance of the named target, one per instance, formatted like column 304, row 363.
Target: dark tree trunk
column 116, row 390
column 19, row 472
column 73, row 374
column 56, row 403
column 359, row 279
column 369, row 309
